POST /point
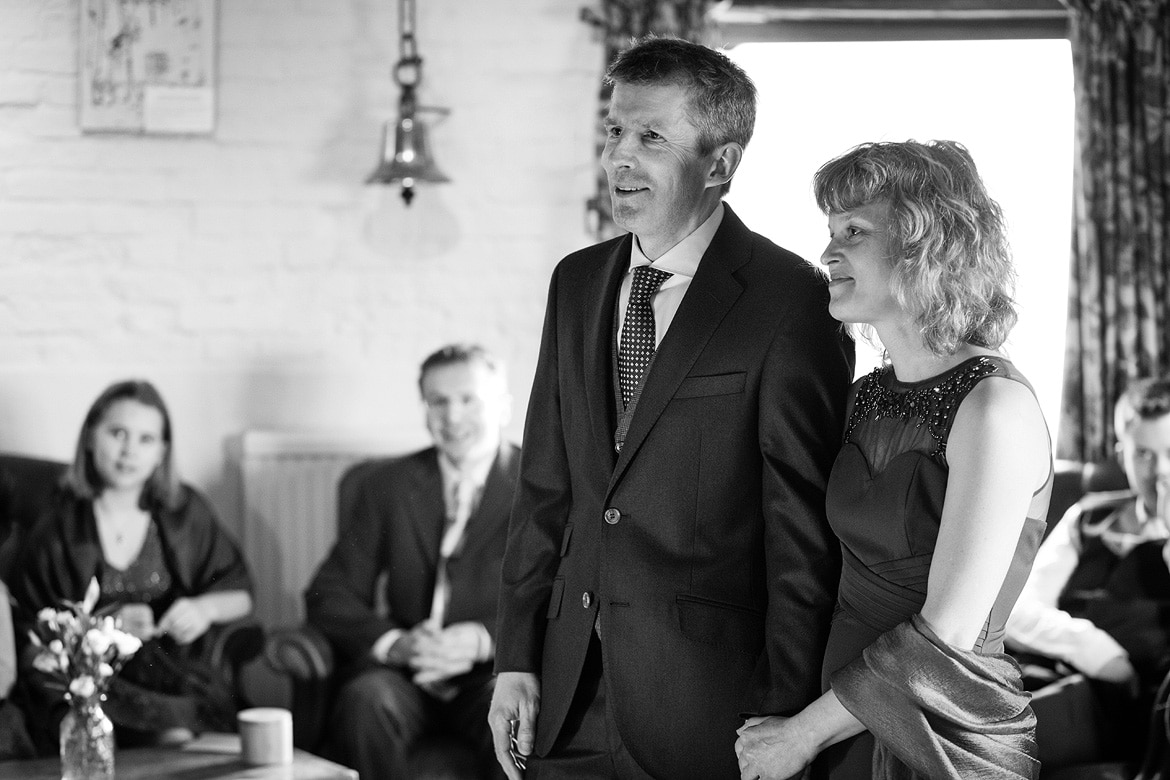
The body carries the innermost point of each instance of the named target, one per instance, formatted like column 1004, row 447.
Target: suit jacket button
column 586, row 599
column 612, row 516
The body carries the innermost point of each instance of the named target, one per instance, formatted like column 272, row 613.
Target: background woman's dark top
column 186, row 554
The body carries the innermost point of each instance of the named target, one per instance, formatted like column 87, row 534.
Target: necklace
column 116, row 531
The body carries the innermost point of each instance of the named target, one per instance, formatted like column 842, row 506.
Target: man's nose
column 618, row 153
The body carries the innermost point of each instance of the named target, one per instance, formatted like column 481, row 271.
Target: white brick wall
column 251, row 274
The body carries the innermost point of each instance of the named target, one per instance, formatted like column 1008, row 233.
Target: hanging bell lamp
column 406, row 154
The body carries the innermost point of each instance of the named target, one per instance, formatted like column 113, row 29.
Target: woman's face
column 858, row 259
column 127, row 444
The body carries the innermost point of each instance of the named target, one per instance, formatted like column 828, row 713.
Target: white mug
column 265, row 736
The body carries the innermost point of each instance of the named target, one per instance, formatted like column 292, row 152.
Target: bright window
column 1010, row 102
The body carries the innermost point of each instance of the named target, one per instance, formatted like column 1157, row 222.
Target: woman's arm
column 999, row 456
column 775, row 748
column 189, row 618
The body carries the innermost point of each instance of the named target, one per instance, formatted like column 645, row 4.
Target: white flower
column 97, row 641
column 104, row 671
column 47, row 615
column 57, row 647
column 83, row 686
column 91, row 596
column 127, row 644
column 46, row 662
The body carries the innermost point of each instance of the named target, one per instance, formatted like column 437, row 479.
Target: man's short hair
column 460, row 353
column 722, row 95
column 1144, row 399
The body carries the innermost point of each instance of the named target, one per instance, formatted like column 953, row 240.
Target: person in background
column 435, row 522
column 940, row 490
column 1098, row 598
column 669, row 566
column 14, row 738
column 163, row 561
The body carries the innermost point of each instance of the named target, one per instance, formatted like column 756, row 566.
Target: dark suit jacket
column 397, row 527
column 704, row 544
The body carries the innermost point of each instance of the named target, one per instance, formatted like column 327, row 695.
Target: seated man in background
column 1098, row 597
column 436, row 522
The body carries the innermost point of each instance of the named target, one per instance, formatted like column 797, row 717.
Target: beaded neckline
column 931, row 402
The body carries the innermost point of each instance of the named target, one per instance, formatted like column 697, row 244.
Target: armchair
column 304, row 656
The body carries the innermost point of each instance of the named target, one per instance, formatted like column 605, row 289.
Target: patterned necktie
column 637, row 342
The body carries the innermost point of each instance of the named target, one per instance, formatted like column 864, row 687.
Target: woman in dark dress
column 160, row 556
column 939, row 492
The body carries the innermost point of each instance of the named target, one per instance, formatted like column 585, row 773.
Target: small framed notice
column 148, row 66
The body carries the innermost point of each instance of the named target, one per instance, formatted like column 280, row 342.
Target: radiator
column 290, row 511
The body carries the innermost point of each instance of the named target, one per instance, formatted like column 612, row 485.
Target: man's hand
column 772, row 749
column 516, row 698
column 442, row 654
column 185, row 621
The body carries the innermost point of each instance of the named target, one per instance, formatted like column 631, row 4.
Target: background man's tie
column 637, row 342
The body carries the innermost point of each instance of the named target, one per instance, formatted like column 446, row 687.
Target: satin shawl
column 938, row 712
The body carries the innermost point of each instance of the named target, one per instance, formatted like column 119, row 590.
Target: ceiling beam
column 740, row 21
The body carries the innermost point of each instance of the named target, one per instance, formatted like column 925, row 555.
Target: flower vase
column 87, row 743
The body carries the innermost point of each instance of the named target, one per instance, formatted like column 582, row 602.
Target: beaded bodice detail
column 146, row 580
column 931, row 405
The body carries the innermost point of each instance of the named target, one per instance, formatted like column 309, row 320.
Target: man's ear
column 725, row 161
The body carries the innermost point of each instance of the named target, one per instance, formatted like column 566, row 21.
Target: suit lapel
column 426, row 509
column 599, row 393
column 711, row 294
column 494, row 505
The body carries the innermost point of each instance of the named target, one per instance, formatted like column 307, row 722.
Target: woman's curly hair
column 952, row 267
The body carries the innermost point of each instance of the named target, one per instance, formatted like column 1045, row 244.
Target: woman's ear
column 726, row 159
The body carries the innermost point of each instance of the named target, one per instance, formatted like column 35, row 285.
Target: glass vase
column 87, row 743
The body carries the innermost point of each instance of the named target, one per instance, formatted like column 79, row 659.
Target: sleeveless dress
column 884, row 502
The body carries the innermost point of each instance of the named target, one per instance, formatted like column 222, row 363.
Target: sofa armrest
column 302, row 653
column 235, row 644
column 304, row 656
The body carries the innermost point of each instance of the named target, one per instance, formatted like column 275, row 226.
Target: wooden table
column 208, row 757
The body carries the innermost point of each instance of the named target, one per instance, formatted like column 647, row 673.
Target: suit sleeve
column 539, row 513
column 804, row 387
column 340, row 599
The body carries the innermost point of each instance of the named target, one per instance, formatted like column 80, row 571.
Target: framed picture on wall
column 147, row 66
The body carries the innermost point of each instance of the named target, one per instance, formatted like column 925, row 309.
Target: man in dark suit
column 669, row 565
column 435, row 522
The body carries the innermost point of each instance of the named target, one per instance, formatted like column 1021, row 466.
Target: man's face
column 659, row 183
column 467, row 406
column 1145, row 455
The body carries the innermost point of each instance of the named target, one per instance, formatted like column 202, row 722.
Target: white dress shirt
column 1038, row 625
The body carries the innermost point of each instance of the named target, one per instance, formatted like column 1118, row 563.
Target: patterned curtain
column 1119, row 296
column 619, row 23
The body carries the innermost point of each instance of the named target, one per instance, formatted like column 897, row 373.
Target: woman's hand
column 773, row 748
column 137, row 620
column 186, row 620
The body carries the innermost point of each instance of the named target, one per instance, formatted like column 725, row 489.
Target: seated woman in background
column 938, row 495
column 158, row 552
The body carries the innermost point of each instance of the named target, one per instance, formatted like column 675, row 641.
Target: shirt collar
column 683, row 258
column 476, row 470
